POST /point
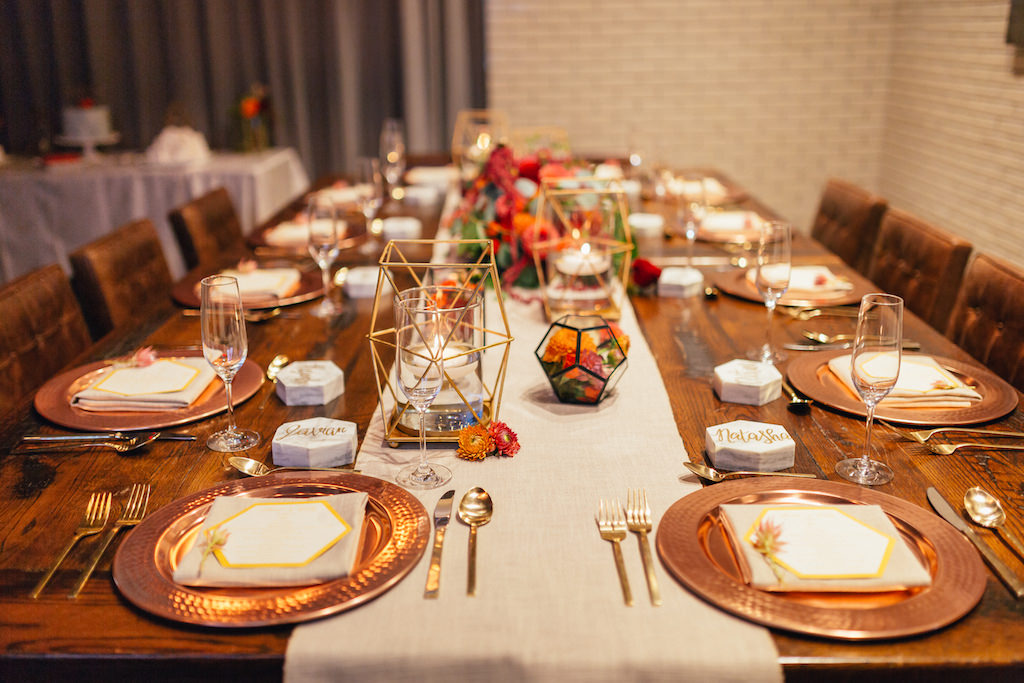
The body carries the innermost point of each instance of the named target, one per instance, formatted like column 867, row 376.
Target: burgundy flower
column 645, row 273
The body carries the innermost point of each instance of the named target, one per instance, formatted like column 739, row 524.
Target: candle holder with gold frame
column 475, row 347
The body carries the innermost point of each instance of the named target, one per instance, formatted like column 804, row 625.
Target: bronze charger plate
column 811, row 376
column 394, row 534
column 735, row 282
column 355, row 234
column 311, row 286
column 53, row 400
column 694, row 546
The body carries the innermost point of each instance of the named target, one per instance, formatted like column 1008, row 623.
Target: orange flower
column 475, row 443
column 563, row 343
column 621, row 336
column 250, row 107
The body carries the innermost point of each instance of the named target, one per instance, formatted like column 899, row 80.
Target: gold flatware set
column 475, row 510
column 922, row 436
column 613, row 524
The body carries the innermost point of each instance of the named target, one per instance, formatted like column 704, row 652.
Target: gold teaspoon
column 475, row 509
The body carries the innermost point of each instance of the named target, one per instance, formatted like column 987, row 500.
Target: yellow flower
column 563, row 343
column 475, row 443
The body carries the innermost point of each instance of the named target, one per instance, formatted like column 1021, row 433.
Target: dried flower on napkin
column 766, row 541
column 247, row 265
column 142, row 358
column 212, row 539
column 476, row 442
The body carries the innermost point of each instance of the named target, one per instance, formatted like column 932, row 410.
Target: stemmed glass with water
column 392, row 155
column 370, row 196
column 324, row 236
column 875, row 367
column 419, row 368
column 771, row 277
column 691, row 207
column 225, row 347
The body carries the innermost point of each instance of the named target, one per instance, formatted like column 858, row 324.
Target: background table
column 47, row 213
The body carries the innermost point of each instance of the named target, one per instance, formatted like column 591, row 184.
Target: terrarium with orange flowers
column 583, row 357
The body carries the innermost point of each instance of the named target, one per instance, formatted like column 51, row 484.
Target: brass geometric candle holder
column 474, row 347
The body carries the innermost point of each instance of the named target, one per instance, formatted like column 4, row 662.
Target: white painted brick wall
column 914, row 99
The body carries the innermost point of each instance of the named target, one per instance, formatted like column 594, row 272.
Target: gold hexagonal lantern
column 584, row 263
column 475, row 346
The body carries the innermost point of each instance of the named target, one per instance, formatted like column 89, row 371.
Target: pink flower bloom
column 505, row 440
column 144, row 357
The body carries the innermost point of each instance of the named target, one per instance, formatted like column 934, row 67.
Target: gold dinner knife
column 442, row 515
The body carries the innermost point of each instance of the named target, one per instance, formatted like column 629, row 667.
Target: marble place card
column 316, row 442
column 310, row 383
column 747, row 381
column 361, row 282
column 680, row 282
column 747, row 445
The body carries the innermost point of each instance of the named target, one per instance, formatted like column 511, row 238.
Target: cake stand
column 89, row 144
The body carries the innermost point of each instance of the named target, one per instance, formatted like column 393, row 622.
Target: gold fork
column 638, row 519
column 950, row 448
column 922, row 435
column 134, row 511
column 97, row 510
column 808, row 313
column 611, row 522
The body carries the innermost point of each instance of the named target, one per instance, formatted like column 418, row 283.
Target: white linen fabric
column 922, row 383
column 548, row 603
column 143, row 393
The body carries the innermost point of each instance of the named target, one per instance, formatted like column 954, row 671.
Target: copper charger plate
column 811, row 376
column 53, row 400
column 355, row 234
column 735, row 282
column 695, row 548
column 394, row 534
column 186, row 292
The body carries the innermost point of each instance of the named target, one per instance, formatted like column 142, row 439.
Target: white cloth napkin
column 730, row 221
column 167, row 384
column 177, row 145
column 265, row 284
column 296, row 233
column 834, row 548
column 437, row 176
column 807, row 280
column 341, row 194
column 275, row 541
column 922, row 382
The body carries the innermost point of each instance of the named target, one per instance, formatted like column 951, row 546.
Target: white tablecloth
column 45, row 214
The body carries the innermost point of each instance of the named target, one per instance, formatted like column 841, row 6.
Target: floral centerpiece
column 254, row 113
column 583, row 357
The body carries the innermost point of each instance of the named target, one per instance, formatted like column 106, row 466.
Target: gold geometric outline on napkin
column 224, row 562
column 882, row 565
column 195, row 373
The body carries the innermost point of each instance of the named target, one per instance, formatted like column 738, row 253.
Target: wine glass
column 324, row 235
column 875, row 366
column 691, row 208
column 419, row 368
column 225, row 348
column 771, row 278
column 370, row 193
column 392, row 155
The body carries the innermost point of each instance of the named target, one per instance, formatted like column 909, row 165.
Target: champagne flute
column 771, row 278
column 691, row 209
column 392, row 155
column 370, row 193
column 322, row 224
column 875, row 367
column 225, row 348
column 419, row 367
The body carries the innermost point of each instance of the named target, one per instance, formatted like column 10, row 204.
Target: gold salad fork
column 922, row 435
column 950, row 448
column 97, row 510
column 133, row 512
column 638, row 519
column 611, row 522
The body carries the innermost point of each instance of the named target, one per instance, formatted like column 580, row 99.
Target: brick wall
column 914, row 99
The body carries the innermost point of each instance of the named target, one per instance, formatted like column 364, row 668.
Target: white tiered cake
column 87, row 123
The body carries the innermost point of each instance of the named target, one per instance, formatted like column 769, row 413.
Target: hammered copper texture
column 735, row 282
column 145, row 561
column 186, row 291
column 691, row 544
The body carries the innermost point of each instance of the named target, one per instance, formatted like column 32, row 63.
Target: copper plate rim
column 735, row 282
column 310, row 287
column 53, row 400
column 142, row 567
column 958, row 576
column 352, row 239
column 997, row 397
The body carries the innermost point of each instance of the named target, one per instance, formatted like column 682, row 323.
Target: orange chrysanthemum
column 475, row 443
column 563, row 342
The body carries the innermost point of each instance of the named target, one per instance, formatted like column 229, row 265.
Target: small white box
column 402, row 228
column 310, row 383
column 680, row 282
column 646, row 223
column 746, row 445
column 747, row 381
column 316, row 442
column 361, row 282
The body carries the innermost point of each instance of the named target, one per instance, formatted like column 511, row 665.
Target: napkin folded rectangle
column 265, row 542
column 730, row 221
column 167, row 384
column 263, row 284
column 922, row 382
column 808, row 280
column 296, row 233
column 822, row 548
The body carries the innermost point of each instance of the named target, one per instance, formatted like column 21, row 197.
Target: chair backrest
column 207, row 228
column 988, row 318
column 42, row 331
column 847, row 222
column 120, row 275
column 920, row 263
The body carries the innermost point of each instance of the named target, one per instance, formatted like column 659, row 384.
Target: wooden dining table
column 101, row 635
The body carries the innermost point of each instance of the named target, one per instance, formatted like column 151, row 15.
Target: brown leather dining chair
column 847, row 222
column 988, row 318
column 120, row 275
column 208, row 229
column 42, row 331
column 921, row 263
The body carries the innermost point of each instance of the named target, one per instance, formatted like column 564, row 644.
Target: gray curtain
column 334, row 68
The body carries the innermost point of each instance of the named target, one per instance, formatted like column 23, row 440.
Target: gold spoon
column 475, row 509
column 278, row 362
column 255, row 468
column 797, row 404
column 713, row 475
column 986, row 510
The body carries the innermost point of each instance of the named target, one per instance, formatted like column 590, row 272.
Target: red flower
column 505, row 440
column 86, row 103
column 529, row 167
column 645, row 273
